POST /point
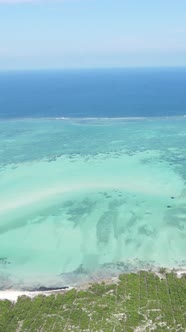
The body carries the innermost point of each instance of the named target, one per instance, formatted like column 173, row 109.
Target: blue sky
column 92, row 33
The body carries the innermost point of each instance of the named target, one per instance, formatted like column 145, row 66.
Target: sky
column 46, row 34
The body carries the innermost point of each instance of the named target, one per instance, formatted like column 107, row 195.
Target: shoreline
column 13, row 294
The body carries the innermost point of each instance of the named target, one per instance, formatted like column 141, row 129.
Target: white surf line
column 12, row 295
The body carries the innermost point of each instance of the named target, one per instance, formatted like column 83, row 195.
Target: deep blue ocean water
column 93, row 93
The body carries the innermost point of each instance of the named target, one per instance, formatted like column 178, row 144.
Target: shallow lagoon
column 82, row 199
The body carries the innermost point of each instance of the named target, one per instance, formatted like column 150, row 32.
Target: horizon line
column 91, row 68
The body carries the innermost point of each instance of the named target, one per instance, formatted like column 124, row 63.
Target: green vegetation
column 137, row 302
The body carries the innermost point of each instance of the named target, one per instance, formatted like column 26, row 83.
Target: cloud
column 17, row 1
column 11, row 2
column 4, row 2
column 181, row 30
column 3, row 51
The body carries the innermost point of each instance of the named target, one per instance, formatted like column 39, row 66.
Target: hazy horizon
column 93, row 68
column 70, row 34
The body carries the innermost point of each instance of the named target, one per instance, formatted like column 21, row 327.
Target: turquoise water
column 85, row 198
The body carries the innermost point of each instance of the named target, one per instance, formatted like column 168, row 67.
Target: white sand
column 12, row 295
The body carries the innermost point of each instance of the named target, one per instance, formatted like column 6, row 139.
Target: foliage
column 137, row 302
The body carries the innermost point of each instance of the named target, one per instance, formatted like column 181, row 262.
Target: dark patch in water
column 146, row 231
column 132, row 221
column 45, row 289
column 4, row 261
column 104, row 227
column 81, row 270
column 128, row 241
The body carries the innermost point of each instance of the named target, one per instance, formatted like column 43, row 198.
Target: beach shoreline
column 13, row 294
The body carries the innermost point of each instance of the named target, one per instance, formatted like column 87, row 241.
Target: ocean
column 93, row 93
column 92, row 174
